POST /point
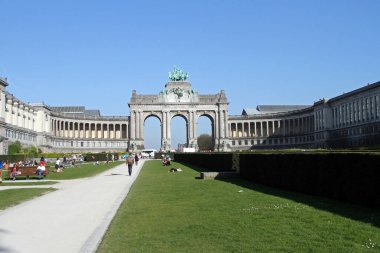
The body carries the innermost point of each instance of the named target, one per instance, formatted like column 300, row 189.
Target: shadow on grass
column 351, row 211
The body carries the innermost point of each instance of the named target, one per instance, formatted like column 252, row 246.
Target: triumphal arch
column 179, row 99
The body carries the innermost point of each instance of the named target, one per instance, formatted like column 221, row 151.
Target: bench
column 27, row 171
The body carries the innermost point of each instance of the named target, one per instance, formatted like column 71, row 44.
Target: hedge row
column 100, row 156
column 13, row 158
column 348, row 177
column 209, row 161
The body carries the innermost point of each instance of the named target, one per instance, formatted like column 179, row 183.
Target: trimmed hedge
column 100, row 157
column 350, row 177
column 13, row 158
column 210, row 161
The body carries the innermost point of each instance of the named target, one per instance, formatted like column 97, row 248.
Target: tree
column 31, row 151
column 14, row 148
column 205, row 142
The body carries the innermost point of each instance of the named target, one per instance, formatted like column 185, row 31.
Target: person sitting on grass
column 166, row 161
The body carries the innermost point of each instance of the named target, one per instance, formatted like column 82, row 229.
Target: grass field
column 13, row 197
column 85, row 170
column 176, row 212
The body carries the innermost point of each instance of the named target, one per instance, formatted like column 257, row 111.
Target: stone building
column 349, row 120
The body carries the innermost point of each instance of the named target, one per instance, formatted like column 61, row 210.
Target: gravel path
column 72, row 219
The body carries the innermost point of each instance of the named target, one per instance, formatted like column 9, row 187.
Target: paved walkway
column 72, row 219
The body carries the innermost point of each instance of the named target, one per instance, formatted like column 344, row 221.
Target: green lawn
column 13, row 197
column 176, row 212
column 84, row 170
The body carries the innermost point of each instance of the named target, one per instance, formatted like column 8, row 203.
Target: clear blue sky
column 94, row 53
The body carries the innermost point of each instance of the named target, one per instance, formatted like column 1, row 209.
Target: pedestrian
column 1, row 171
column 130, row 160
column 136, row 159
column 14, row 172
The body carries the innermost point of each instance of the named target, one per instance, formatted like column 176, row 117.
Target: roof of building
column 353, row 92
column 264, row 109
column 3, row 81
column 75, row 110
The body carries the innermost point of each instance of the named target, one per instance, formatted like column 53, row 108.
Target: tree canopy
column 205, row 142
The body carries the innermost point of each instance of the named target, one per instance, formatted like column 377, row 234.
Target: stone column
column 216, row 125
column 83, row 130
column 226, row 133
column 141, row 125
column 255, row 126
column 221, row 124
column 192, row 125
column 137, row 125
column 127, row 130
column 163, row 127
column 133, row 125
column 168, row 126
column 15, row 117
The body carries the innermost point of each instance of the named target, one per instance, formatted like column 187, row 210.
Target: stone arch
column 145, row 116
column 178, row 99
column 211, row 117
column 185, row 116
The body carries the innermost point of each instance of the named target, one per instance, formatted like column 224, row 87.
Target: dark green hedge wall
column 209, row 161
column 13, row 158
column 349, row 177
column 91, row 157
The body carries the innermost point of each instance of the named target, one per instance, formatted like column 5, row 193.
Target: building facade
column 349, row 120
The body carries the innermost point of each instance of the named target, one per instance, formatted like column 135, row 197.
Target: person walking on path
column 137, row 159
column 1, row 171
column 130, row 161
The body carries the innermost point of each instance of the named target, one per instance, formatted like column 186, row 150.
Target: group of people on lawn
column 14, row 168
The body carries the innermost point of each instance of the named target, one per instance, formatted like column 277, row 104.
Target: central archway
column 179, row 132
column 205, row 126
column 179, row 99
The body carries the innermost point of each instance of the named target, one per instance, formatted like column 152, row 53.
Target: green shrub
column 14, row 148
column 210, row 160
column 351, row 177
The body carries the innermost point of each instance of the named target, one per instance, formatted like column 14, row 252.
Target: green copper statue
column 178, row 75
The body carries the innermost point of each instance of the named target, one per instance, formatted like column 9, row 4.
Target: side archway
column 152, row 131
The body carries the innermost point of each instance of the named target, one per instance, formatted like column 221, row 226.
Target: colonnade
column 89, row 130
column 240, row 128
column 357, row 111
column 18, row 113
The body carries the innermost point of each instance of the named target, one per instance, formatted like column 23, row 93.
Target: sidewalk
column 72, row 219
